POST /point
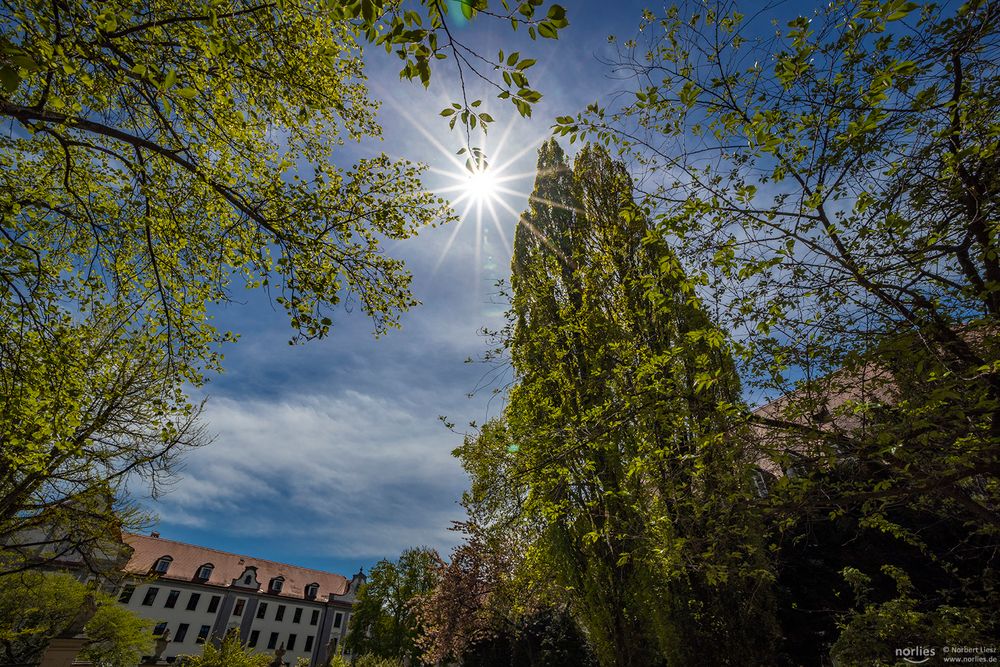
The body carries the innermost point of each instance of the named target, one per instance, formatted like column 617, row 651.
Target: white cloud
column 357, row 474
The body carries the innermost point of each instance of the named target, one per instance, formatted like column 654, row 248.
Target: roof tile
column 188, row 558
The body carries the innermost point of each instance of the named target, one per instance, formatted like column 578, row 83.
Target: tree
column 383, row 622
column 832, row 187
column 615, row 430
column 230, row 653
column 170, row 149
column 163, row 154
column 489, row 608
column 87, row 406
column 116, row 636
column 35, row 607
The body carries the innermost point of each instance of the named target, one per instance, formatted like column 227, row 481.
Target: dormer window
column 312, row 590
column 205, row 571
column 248, row 579
column 276, row 584
column 163, row 565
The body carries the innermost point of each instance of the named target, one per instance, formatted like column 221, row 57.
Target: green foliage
column 116, row 636
column 369, row 660
column 230, row 653
column 831, row 185
column 163, row 156
column 611, row 456
column 871, row 635
column 383, row 622
column 87, row 404
column 35, row 607
column 206, row 135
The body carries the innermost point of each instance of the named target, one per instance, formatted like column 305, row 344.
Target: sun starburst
column 484, row 187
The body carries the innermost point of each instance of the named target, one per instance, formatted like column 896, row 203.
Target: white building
column 198, row 594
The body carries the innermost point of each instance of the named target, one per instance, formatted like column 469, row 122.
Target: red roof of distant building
column 187, row 560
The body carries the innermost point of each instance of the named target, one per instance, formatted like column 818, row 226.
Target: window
column 248, row 579
column 261, row 610
column 160, row 629
column 171, row 599
column 309, row 644
column 193, row 601
column 205, row 571
column 297, row 616
column 163, row 565
column 311, row 591
column 203, row 634
column 333, row 646
column 213, row 604
column 280, row 613
column 147, row 600
column 291, row 643
column 272, row 641
column 238, row 609
column 126, row 594
column 338, row 618
column 254, row 636
column 182, row 631
column 760, row 483
column 276, row 584
column 314, row 619
column 798, row 469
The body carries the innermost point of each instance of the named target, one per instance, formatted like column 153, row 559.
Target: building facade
column 198, row 594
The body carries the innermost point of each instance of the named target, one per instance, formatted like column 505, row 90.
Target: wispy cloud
column 358, row 475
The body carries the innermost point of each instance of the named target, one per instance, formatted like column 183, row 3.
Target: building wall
column 236, row 608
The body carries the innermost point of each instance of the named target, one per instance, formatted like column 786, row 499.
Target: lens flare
column 481, row 186
column 485, row 195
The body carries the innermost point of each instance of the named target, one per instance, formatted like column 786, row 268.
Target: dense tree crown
column 162, row 156
column 830, row 184
column 611, row 459
column 34, row 607
column 383, row 621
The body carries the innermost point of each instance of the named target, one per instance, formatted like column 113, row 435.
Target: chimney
column 154, row 534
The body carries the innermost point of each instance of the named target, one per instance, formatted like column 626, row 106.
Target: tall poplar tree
column 617, row 424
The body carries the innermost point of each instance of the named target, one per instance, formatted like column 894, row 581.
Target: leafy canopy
column 35, row 607
column 610, row 465
column 383, row 621
column 830, row 184
column 161, row 157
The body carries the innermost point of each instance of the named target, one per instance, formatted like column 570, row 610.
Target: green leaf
column 10, row 79
column 547, row 30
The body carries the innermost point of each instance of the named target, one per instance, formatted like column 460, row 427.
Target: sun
column 482, row 186
column 483, row 183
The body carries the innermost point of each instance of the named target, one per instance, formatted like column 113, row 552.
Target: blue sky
column 331, row 454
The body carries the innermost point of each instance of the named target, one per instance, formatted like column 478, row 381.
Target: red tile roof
column 825, row 405
column 188, row 558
